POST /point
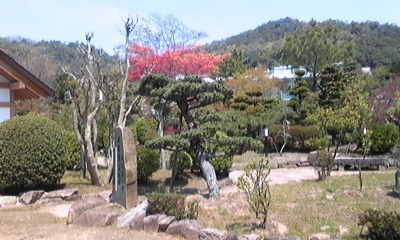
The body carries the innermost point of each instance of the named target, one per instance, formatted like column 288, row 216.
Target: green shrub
column 172, row 204
column 299, row 136
column 383, row 137
column 73, row 150
column 144, row 129
column 381, row 224
column 148, row 162
column 222, row 163
column 32, row 153
column 322, row 162
column 184, row 161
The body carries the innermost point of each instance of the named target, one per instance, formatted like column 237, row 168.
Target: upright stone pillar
column 125, row 169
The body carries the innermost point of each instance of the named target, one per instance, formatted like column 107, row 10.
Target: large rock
column 96, row 218
column 232, row 236
column 157, row 222
column 397, row 180
column 82, row 205
column 187, row 228
column 64, row 194
column 134, row 216
column 212, row 234
column 8, row 200
column 30, row 197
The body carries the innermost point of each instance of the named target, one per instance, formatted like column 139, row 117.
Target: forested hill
column 47, row 58
column 376, row 44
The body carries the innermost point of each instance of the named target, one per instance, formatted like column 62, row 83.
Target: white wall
column 4, row 95
column 4, row 113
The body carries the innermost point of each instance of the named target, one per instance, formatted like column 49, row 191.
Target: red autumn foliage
column 183, row 60
column 382, row 100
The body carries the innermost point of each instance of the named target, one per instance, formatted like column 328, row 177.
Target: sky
column 69, row 20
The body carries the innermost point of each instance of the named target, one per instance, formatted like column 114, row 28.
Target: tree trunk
column 162, row 152
column 209, row 174
column 91, row 160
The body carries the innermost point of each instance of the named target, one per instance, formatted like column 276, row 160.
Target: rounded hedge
column 148, row 162
column 383, row 137
column 184, row 161
column 32, row 153
column 144, row 129
column 73, row 150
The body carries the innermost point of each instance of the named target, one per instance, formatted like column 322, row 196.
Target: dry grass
column 304, row 208
column 308, row 207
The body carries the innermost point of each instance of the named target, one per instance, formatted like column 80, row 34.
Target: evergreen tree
column 191, row 94
column 298, row 92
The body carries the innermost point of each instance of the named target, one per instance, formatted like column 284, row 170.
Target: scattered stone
column 343, row 230
column 64, row 194
column 232, row 236
column 187, row 228
column 234, row 175
column 133, row 216
column 320, row 236
column 282, row 238
column 96, row 218
column 325, row 228
column 252, row 236
column 330, row 196
column 80, row 206
column 30, row 197
column 212, row 234
column 8, row 200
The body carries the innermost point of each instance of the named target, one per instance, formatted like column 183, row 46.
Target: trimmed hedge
column 73, row 150
column 383, row 137
column 144, row 129
column 32, row 153
column 298, row 136
column 148, row 162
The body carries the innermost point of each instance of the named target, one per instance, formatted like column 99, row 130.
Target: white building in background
column 17, row 83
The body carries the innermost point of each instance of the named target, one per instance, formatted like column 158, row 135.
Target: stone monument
column 397, row 180
column 125, row 168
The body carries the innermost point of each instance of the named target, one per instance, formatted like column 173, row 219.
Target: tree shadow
column 393, row 194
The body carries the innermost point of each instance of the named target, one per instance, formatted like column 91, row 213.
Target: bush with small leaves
column 322, row 162
column 148, row 162
column 173, row 204
column 184, row 161
column 255, row 186
column 144, row 129
column 383, row 137
column 73, row 150
column 380, row 224
column 32, row 153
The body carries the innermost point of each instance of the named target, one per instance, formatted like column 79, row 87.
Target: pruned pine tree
column 190, row 94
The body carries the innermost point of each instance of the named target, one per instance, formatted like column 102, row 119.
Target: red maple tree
column 182, row 60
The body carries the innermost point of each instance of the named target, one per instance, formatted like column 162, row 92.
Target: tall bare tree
column 86, row 98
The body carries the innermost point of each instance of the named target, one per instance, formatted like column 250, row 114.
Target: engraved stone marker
column 125, row 169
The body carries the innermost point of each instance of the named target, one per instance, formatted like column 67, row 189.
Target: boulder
column 164, row 221
column 82, row 205
column 30, row 197
column 133, row 217
column 187, row 228
column 96, row 218
column 8, row 200
column 157, row 222
column 150, row 223
column 212, row 234
column 64, row 194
